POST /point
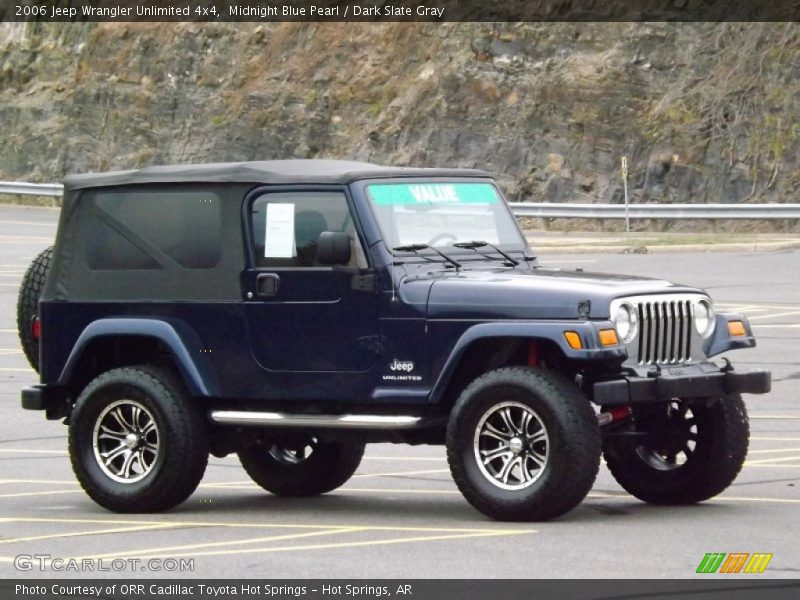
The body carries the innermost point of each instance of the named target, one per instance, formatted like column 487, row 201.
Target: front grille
column 665, row 331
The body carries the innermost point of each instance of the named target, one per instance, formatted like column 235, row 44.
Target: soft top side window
column 286, row 227
column 143, row 229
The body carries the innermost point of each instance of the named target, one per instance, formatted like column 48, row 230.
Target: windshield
column 443, row 214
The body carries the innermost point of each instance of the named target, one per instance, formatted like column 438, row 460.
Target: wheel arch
column 116, row 342
column 491, row 345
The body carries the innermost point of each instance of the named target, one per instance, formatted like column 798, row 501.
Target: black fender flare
column 552, row 331
column 196, row 371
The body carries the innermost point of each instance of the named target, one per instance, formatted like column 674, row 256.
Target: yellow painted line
column 772, row 460
column 17, row 370
column 235, row 525
column 253, row 486
column 39, row 223
column 401, row 473
column 169, row 549
column 406, row 458
column 32, row 538
column 402, row 540
column 50, row 493
column 8, row 331
column 750, row 499
column 773, row 450
column 24, row 451
column 725, row 498
column 729, row 306
column 227, row 483
column 396, row 491
column 39, row 481
column 776, row 315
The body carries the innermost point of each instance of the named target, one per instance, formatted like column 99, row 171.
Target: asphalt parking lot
column 401, row 515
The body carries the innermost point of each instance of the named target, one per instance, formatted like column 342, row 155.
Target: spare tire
column 28, row 304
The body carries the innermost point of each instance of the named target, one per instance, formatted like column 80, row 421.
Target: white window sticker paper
column 279, row 237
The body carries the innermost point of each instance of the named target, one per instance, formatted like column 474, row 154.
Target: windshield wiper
column 417, row 247
column 475, row 244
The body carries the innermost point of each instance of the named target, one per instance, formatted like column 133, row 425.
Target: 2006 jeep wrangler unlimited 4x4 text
column 293, row 311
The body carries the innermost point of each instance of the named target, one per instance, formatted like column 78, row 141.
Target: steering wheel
column 440, row 238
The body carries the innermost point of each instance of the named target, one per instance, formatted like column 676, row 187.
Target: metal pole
column 625, row 188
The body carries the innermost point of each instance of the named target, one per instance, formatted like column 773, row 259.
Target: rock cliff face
column 703, row 112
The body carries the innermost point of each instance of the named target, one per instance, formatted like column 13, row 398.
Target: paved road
column 401, row 515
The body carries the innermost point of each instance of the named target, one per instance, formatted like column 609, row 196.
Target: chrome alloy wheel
column 126, row 441
column 511, row 445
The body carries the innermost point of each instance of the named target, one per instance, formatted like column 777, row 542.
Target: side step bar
column 242, row 417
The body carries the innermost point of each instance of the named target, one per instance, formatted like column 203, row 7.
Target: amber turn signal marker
column 608, row 337
column 736, row 328
column 573, row 339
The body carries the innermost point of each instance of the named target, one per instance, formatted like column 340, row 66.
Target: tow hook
column 613, row 415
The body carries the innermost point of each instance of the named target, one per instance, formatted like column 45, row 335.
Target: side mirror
column 333, row 248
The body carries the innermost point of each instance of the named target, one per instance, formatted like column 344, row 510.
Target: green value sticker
column 392, row 194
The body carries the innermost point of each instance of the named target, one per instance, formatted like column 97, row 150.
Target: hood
column 536, row 294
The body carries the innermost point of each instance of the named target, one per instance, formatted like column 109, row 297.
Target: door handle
column 267, row 285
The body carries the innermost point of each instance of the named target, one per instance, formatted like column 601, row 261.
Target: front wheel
column 523, row 444
column 300, row 465
column 696, row 451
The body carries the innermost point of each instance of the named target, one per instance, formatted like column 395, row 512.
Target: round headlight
column 626, row 321
column 704, row 318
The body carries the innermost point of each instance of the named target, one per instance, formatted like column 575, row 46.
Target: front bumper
column 700, row 380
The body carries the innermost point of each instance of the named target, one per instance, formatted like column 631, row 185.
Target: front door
column 305, row 317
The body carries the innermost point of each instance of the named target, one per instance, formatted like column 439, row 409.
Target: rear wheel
column 697, row 452
column 300, row 465
column 137, row 443
column 30, row 290
column 523, row 444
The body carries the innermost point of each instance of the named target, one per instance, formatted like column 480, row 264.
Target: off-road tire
column 182, row 434
column 721, row 448
column 28, row 304
column 573, row 451
column 328, row 467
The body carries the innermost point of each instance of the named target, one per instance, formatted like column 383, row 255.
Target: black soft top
column 268, row 172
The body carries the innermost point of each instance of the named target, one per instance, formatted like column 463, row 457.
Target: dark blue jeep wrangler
column 293, row 311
